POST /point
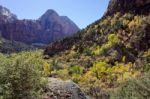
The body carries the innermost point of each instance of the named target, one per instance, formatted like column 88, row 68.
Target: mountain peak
column 6, row 12
column 49, row 15
column 48, row 28
column 51, row 11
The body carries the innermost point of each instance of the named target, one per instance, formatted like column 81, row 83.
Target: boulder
column 59, row 89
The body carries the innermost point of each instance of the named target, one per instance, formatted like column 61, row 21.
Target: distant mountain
column 48, row 28
column 59, row 26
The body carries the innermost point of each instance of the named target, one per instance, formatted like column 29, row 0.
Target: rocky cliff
column 48, row 28
column 130, row 6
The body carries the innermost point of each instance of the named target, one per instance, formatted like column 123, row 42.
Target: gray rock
column 59, row 89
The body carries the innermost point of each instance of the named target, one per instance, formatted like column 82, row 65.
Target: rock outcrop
column 124, row 6
column 58, row 89
column 48, row 28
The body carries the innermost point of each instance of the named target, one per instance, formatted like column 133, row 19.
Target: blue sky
column 82, row 12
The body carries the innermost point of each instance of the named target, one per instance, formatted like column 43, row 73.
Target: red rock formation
column 48, row 28
column 133, row 6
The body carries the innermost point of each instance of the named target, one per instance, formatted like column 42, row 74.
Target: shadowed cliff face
column 133, row 6
column 48, row 28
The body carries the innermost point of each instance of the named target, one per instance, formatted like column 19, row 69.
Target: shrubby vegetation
column 133, row 89
column 21, row 76
column 105, row 56
column 112, row 40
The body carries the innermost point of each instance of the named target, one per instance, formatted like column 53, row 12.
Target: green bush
column 76, row 70
column 21, row 76
column 134, row 89
column 112, row 40
column 99, row 69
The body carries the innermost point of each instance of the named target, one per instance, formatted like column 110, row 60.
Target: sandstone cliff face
column 48, row 28
column 133, row 6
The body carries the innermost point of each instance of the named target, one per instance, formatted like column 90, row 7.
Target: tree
column 21, row 76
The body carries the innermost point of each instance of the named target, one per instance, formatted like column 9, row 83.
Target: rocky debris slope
column 58, row 89
column 48, row 28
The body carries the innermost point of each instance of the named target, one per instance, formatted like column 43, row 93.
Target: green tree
column 21, row 76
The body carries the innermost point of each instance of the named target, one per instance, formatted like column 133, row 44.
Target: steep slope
column 108, row 52
column 131, row 31
column 57, row 25
column 48, row 28
column 126, row 28
column 52, row 21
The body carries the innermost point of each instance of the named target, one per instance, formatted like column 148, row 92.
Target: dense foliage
column 134, row 89
column 105, row 55
column 21, row 76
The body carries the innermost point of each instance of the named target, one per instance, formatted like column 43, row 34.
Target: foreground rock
column 58, row 89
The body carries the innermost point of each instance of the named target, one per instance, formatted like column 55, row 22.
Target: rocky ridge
column 48, row 28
